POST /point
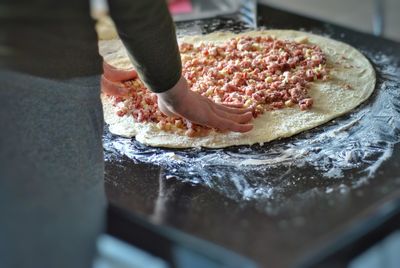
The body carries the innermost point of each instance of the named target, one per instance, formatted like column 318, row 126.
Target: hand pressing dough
column 352, row 81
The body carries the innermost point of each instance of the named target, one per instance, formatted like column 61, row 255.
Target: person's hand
column 112, row 78
column 179, row 101
column 182, row 102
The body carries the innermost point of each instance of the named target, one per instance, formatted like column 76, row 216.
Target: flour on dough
column 348, row 67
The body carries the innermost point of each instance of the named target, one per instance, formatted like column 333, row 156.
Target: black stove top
column 313, row 217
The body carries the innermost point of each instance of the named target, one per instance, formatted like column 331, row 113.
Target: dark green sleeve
column 148, row 32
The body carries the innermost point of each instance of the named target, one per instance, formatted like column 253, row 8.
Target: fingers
column 224, row 120
column 239, row 115
column 113, row 88
column 226, row 124
column 241, row 128
column 219, row 120
column 118, row 75
column 164, row 109
column 233, row 108
column 232, row 119
column 202, row 111
column 232, row 104
column 236, row 117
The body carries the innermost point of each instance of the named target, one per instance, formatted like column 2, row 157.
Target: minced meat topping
column 259, row 72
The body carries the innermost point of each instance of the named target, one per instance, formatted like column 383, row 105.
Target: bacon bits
column 260, row 72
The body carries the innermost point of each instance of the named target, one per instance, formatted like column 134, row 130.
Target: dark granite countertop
column 300, row 227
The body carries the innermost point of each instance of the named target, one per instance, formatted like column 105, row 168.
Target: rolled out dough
column 348, row 67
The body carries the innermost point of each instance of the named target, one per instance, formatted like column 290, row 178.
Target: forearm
column 147, row 30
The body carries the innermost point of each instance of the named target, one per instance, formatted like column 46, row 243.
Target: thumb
column 164, row 109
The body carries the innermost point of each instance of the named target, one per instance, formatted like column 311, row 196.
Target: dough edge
column 331, row 99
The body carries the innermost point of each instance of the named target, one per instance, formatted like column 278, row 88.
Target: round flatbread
column 352, row 81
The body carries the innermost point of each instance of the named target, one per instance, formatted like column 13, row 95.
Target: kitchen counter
column 318, row 220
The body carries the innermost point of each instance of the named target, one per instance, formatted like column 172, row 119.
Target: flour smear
column 339, row 156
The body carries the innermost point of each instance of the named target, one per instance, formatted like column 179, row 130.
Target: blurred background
column 380, row 17
column 356, row 14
